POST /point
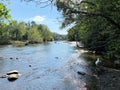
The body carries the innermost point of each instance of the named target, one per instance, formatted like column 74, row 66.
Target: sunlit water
column 51, row 66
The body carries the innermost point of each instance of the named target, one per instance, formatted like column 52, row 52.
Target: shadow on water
column 48, row 66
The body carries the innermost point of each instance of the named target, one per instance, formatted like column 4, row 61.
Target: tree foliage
column 45, row 32
column 96, row 24
column 33, row 35
column 4, row 11
column 22, row 31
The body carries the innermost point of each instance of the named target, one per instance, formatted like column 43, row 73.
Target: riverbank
column 104, row 76
column 22, row 43
column 19, row 43
column 108, row 78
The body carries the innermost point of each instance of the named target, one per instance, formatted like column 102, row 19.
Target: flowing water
column 50, row 66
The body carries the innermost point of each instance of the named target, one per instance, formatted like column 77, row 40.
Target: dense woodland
column 27, row 32
column 96, row 23
column 31, row 32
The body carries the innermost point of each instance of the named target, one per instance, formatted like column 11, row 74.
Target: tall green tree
column 98, row 20
column 45, row 32
column 22, row 30
column 34, row 36
column 4, row 34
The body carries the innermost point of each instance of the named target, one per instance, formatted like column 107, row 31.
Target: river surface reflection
column 51, row 66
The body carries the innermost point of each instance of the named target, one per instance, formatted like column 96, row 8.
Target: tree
column 4, row 34
column 45, row 32
column 4, row 11
column 34, row 36
column 88, row 8
column 74, row 33
column 97, row 22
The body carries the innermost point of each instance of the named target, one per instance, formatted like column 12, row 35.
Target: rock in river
column 12, row 72
column 12, row 75
column 80, row 73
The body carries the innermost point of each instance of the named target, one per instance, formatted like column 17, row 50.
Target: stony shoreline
column 108, row 79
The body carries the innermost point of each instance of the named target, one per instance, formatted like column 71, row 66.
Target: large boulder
column 11, row 75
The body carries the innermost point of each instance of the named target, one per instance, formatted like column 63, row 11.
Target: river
column 50, row 66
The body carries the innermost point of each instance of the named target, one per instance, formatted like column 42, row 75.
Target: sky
column 23, row 11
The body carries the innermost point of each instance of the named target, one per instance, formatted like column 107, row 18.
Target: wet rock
column 11, row 58
column 30, row 65
column 12, row 72
column 26, row 44
column 13, row 77
column 57, row 57
column 16, row 58
column 81, row 73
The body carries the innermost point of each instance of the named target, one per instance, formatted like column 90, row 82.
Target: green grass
column 18, row 43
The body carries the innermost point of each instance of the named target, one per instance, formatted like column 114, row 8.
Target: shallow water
column 51, row 66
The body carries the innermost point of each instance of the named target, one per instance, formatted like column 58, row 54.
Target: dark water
column 54, row 66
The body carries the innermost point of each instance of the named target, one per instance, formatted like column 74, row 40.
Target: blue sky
column 23, row 11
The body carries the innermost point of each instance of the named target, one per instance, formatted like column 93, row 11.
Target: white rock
column 12, row 72
column 12, row 77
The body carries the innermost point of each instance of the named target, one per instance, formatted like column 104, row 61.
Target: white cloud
column 37, row 19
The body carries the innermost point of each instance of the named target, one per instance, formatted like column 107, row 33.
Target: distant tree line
column 58, row 37
column 31, row 32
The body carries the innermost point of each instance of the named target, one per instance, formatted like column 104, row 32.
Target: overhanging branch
column 87, row 2
column 97, row 14
column 43, row 3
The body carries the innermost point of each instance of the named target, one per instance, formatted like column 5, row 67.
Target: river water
column 50, row 66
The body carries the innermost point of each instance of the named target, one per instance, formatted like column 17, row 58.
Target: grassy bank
column 19, row 43
column 104, row 62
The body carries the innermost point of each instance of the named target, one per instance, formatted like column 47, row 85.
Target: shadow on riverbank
column 105, row 76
